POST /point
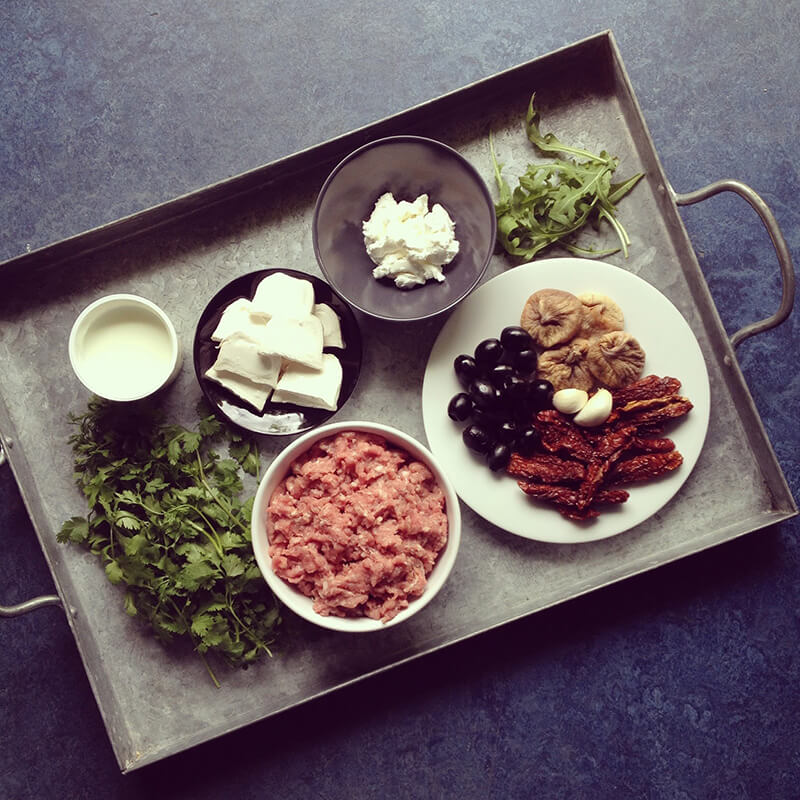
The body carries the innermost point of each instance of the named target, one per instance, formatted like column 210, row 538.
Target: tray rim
column 150, row 219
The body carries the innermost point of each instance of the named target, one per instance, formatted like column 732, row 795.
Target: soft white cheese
column 297, row 340
column 240, row 355
column 277, row 340
column 283, row 295
column 331, row 326
column 407, row 242
column 255, row 394
column 237, row 318
column 314, row 388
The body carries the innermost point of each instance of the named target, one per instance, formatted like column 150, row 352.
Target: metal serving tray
column 157, row 702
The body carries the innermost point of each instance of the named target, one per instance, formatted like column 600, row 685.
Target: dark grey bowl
column 406, row 166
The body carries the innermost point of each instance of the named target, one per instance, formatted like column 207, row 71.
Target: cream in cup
column 123, row 347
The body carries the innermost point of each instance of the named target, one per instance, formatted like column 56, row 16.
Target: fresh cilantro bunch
column 166, row 520
column 555, row 200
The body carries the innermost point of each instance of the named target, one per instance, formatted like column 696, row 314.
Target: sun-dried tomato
column 576, row 469
column 645, row 467
column 566, row 499
column 655, row 410
column 652, row 444
column 546, row 468
column 646, row 388
column 559, row 434
column 608, row 451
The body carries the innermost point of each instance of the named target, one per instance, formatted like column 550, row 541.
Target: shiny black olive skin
column 541, row 394
column 517, row 392
column 525, row 361
column 501, row 374
column 460, row 407
column 486, row 420
column 527, row 441
column 483, row 394
column 488, row 353
column 507, row 432
column 515, row 339
column 498, row 457
column 476, row 439
column 524, row 414
column 466, row 369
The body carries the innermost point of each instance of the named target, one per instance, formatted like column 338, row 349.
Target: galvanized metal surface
column 157, row 702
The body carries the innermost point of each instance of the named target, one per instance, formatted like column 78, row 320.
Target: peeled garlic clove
column 570, row 401
column 596, row 411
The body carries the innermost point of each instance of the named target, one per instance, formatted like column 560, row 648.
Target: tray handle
column 778, row 242
column 34, row 602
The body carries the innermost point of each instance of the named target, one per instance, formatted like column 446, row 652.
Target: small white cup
column 124, row 347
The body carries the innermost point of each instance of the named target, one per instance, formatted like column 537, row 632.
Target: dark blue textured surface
column 681, row 683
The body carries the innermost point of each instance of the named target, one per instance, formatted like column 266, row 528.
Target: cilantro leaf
column 167, row 522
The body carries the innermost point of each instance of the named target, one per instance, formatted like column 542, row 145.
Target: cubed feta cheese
column 331, row 326
column 256, row 394
column 309, row 387
column 284, row 296
column 295, row 340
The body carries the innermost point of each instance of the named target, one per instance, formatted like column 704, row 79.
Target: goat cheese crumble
column 409, row 243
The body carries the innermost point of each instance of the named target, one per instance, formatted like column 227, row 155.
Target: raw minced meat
column 357, row 525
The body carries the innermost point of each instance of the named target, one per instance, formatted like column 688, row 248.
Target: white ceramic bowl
column 124, row 347
column 297, row 601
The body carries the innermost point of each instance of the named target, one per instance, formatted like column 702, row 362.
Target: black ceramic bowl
column 277, row 419
column 406, row 166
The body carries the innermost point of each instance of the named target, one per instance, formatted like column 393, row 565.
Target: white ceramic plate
column 670, row 347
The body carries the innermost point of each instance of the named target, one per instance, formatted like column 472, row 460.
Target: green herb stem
column 165, row 517
column 554, row 201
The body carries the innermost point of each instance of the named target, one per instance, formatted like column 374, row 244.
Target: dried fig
column 600, row 314
column 552, row 317
column 566, row 368
column 615, row 359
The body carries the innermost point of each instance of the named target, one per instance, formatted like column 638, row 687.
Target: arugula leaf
column 553, row 201
column 549, row 143
column 167, row 522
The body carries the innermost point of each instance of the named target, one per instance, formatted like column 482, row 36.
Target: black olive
column 527, row 441
column 488, row 353
column 523, row 413
column 516, row 392
column 499, row 457
column 476, row 439
column 486, row 420
column 507, row 432
column 541, row 393
column 466, row 369
column 483, row 394
column 460, row 407
column 514, row 338
column 525, row 362
column 501, row 374
column 502, row 407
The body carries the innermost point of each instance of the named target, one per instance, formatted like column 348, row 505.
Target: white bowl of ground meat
column 355, row 526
